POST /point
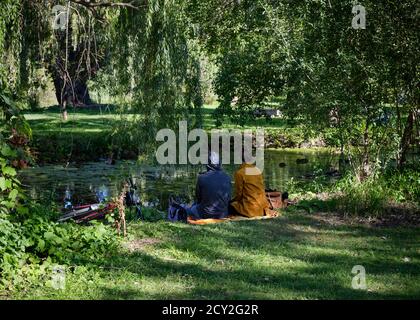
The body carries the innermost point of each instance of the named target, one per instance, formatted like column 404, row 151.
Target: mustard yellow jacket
column 250, row 199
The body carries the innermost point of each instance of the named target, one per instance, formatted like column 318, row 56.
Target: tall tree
column 143, row 47
column 345, row 82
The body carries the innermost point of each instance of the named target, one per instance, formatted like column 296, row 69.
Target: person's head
column 213, row 162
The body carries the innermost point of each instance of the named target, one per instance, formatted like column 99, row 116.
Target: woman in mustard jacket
column 250, row 199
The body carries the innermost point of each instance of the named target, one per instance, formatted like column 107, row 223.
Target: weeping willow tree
column 35, row 50
column 143, row 51
column 154, row 63
column 14, row 131
column 9, row 44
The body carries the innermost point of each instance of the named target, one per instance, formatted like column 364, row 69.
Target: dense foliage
column 389, row 194
column 357, row 89
column 31, row 245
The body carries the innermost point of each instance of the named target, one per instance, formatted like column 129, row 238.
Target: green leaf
column 22, row 210
column 9, row 171
column 8, row 152
column 7, row 204
column 49, row 236
column 8, row 183
column 41, row 245
column 13, row 194
column 2, row 184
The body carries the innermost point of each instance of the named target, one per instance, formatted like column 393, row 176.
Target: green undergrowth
column 32, row 244
column 295, row 256
column 389, row 192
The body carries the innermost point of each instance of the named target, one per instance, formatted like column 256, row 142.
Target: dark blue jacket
column 213, row 192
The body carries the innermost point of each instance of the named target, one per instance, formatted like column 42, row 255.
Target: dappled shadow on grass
column 384, row 214
column 90, row 109
column 50, row 119
column 44, row 126
column 296, row 257
column 237, row 284
column 92, row 133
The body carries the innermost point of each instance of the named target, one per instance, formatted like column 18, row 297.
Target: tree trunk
column 365, row 169
column 406, row 139
column 69, row 72
column 74, row 94
column 64, row 110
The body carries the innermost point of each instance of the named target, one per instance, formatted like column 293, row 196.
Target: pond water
column 86, row 182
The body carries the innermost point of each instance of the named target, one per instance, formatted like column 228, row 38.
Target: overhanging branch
column 104, row 4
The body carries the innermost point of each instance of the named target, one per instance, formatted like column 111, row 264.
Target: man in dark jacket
column 213, row 192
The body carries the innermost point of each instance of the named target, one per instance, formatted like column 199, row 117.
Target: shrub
column 377, row 195
column 32, row 243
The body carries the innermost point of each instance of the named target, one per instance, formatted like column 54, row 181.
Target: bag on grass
column 276, row 199
column 176, row 212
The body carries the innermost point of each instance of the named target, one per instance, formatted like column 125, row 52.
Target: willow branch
column 104, row 4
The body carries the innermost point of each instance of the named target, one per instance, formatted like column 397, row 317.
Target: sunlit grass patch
column 293, row 257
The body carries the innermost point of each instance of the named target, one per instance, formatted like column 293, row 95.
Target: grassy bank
column 295, row 256
column 389, row 193
column 90, row 134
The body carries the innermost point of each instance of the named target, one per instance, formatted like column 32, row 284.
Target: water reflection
column 67, row 199
column 102, row 193
column 93, row 182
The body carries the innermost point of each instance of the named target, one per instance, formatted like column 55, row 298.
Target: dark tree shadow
column 317, row 275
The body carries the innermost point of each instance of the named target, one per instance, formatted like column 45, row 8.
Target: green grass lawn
column 296, row 256
column 96, row 120
column 79, row 121
column 92, row 133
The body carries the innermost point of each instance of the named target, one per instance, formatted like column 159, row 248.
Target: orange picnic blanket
column 229, row 218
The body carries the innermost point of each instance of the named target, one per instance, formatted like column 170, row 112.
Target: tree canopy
column 357, row 86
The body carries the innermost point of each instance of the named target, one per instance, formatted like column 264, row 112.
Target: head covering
column 213, row 162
